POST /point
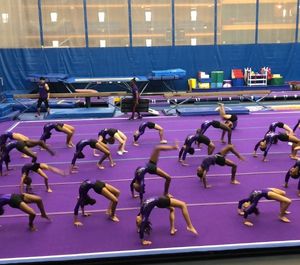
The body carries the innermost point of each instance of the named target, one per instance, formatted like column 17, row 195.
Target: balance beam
column 242, row 93
column 169, row 95
column 86, row 95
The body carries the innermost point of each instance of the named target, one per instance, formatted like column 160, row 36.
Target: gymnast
column 221, row 160
column 249, row 205
column 94, row 144
column 144, row 225
column 23, row 147
column 187, row 146
column 279, row 124
column 150, row 125
column 218, row 125
column 108, row 191
column 106, row 134
column 271, row 138
column 229, row 119
column 59, row 127
column 135, row 99
column 12, row 136
column 296, row 126
column 21, row 201
column 138, row 182
column 293, row 172
column 39, row 169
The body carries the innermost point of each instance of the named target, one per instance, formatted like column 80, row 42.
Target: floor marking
column 152, row 178
column 13, row 126
column 137, row 208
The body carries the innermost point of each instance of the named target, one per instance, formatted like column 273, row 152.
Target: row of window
column 122, row 23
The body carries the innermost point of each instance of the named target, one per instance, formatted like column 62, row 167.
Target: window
column 151, row 22
column 19, row 24
column 194, row 22
column 63, row 23
column 277, row 21
column 108, row 23
column 236, row 21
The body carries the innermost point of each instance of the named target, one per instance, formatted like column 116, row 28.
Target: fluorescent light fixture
column 101, row 16
column 148, row 42
column 193, row 15
column 193, row 41
column 284, row 11
column 4, row 18
column 55, row 43
column 102, row 43
column 53, row 16
column 148, row 16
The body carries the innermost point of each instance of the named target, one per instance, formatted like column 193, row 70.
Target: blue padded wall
column 16, row 64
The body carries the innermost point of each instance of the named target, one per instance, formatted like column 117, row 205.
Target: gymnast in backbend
column 248, row 205
column 271, row 138
column 293, row 172
column 144, row 225
column 150, row 125
column 21, row 201
column 23, row 147
column 104, row 189
column 59, row 127
column 187, row 146
column 138, row 182
column 94, row 144
column 39, row 169
column 221, row 160
column 281, row 125
column 106, row 135
column 218, row 125
column 12, row 136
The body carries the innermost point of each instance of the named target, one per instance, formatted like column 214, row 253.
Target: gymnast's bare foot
column 192, row 230
column 100, row 166
column 45, row 216
column 114, row 218
column 173, row 231
column 284, row 219
column 235, row 182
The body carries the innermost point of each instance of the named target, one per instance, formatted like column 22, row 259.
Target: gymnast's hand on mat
column 248, row 223
column 183, row 163
column 240, row 212
column 77, row 223
column 146, row 242
column 208, row 186
column 86, row 214
column 265, row 159
column 254, row 154
column 285, row 185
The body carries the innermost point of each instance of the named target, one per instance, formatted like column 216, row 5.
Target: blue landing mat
column 81, row 113
column 30, row 106
column 199, row 111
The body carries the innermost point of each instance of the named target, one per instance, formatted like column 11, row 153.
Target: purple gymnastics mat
column 213, row 211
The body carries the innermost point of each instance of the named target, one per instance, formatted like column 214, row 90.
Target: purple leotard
column 48, row 128
column 288, row 174
column 84, row 188
column 80, row 146
column 271, row 138
column 139, row 177
column 142, row 127
column 147, row 207
column 253, row 198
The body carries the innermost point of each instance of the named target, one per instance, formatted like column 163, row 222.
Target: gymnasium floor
column 213, row 211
